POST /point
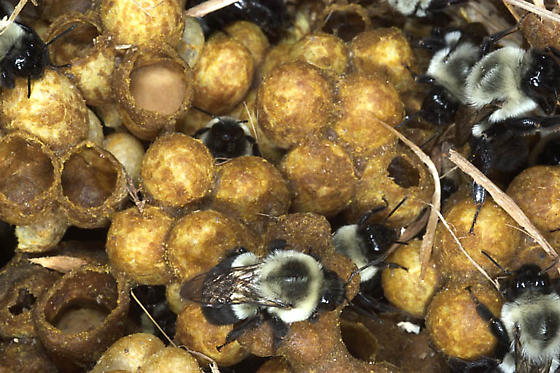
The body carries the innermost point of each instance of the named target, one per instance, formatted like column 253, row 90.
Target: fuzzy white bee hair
column 304, row 292
column 496, row 78
column 348, row 242
column 451, row 65
column 528, row 314
column 418, row 8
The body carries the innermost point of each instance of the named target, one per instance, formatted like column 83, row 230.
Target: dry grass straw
column 536, row 8
column 208, row 7
column 503, row 200
column 5, row 22
column 59, row 263
column 429, row 236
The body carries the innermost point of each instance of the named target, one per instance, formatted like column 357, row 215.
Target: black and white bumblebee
column 421, row 8
column 22, row 52
column 227, row 137
column 528, row 330
column 455, row 53
column 505, row 87
column 283, row 287
column 367, row 245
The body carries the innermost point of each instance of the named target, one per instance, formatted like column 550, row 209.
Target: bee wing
column 235, row 285
column 523, row 365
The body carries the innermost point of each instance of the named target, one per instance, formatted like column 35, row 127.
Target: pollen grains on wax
column 454, row 324
column 325, row 51
column 384, row 51
column 294, row 101
column 363, row 100
column 223, row 75
column 135, row 244
column 85, row 55
column 393, row 175
column 93, row 185
column 496, row 234
column 146, row 23
column 320, row 175
column 177, row 171
column 407, row 290
column 55, row 112
column 145, row 353
column 252, row 189
column 153, row 89
column 29, row 178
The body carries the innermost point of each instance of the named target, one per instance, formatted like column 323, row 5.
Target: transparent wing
column 235, row 285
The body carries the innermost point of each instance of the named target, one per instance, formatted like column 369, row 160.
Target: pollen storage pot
column 93, row 185
column 88, row 58
column 82, row 314
column 153, row 89
column 29, row 178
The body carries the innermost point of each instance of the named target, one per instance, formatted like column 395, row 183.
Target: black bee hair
column 23, row 53
column 227, row 137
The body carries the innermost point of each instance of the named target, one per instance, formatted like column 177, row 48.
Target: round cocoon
column 55, row 112
column 276, row 55
column 321, row 177
column 42, row 235
column 223, row 75
column 171, row 360
column 364, row 100
column 29, row 178
column 93, row 185
column 128, row 150
column 325, row 51
column 143, row 23
column 128, row 353
column 198, row 241
column 536, row 190
column 455, row 327
column 90, row 56
column 393, row 176
column 252, row 38
column 153, row 89
column 294, row 101
column 199, row 335
column 177, row 170
column 384, row 51
column 135, row 244
column 405, row 289
column 495, row 232
column 250, row 187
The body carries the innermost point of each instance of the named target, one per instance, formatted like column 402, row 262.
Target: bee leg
column 240, row 328
column 482, row 158
column 494, row 324
column 464, row 366
column 365, row 301
column 279, row 330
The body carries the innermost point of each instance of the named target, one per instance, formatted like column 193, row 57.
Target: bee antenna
column 29, row 86
column 205, row 112
column 61, row 34
column 554, row 263
column 495, row 262
column 395, row 208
